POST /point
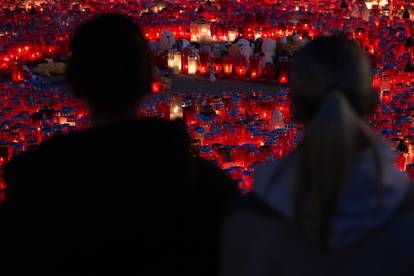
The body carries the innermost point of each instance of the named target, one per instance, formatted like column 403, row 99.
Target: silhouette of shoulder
column 134, row 149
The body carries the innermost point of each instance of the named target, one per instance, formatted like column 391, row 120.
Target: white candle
column 192, row 64
column 175, row 61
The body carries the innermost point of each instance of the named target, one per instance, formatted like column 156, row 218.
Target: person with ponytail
column 337, row 205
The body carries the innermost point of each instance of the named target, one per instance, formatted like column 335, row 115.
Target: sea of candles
column 31, row 112
column 235, row 130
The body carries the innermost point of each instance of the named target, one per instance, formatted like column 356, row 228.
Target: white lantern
column 380, row 3
column 176, row 108
column 175, row 60
column 160, row 5
column 200, row 32
column 233, row 34
column 204, row 32
column 258, row 33
column 192, row 64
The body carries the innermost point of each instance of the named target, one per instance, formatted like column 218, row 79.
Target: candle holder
column 241, row 67
column 192, row 63
column 175, row 61
column 228, row 66
column 254, row 72
column 17, row 75
column 217, row 63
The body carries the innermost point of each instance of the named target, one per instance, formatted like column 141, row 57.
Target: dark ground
column 190, row 84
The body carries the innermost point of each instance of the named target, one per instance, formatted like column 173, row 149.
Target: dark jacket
column 125, row 199
column 260, row 239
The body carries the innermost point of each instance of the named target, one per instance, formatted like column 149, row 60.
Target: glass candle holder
column 175, row 61
column 192, row 64
column 241, row 67
column 228, row 66
column 254, row 61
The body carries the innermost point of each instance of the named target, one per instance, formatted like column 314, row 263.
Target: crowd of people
column 119, row 199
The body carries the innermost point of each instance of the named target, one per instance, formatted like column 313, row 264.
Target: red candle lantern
column 228, row 65
column 204, row 54
column 266, row 107
column 217, row 64
column 184, row 67
column 35, row 56
column 3, row 186
column 254, row 67
column 241, row 67
column 253, row 74
column 17, row 74
column 189, row 112
column 361, row 35
column 400, row 161
column 156, row 84
column 203, row 69
column 4, row 63
column 283, row 78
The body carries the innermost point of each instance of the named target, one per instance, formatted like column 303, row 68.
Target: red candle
column 283, row 78
column 241, row 67
column 17, row 74
column 203, row 69
column 228, row 65
column 254, row 65
column 217, row 64
column 156, row 85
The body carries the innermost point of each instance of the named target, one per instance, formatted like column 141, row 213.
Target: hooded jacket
column 259, row 237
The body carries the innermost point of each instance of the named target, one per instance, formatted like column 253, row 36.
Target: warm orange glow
column 156, row 87
column 241, row 71
column 228, row 69
column 203, row 69
column 253, row 74
column 17, row 76
column 283, row 78
column 218, row 67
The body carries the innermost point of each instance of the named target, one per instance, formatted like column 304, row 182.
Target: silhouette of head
column 328, row 64
column 331, row 93
column 110, row 66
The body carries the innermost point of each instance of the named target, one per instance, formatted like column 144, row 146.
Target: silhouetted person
column 337, row 205
column 122, row 198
